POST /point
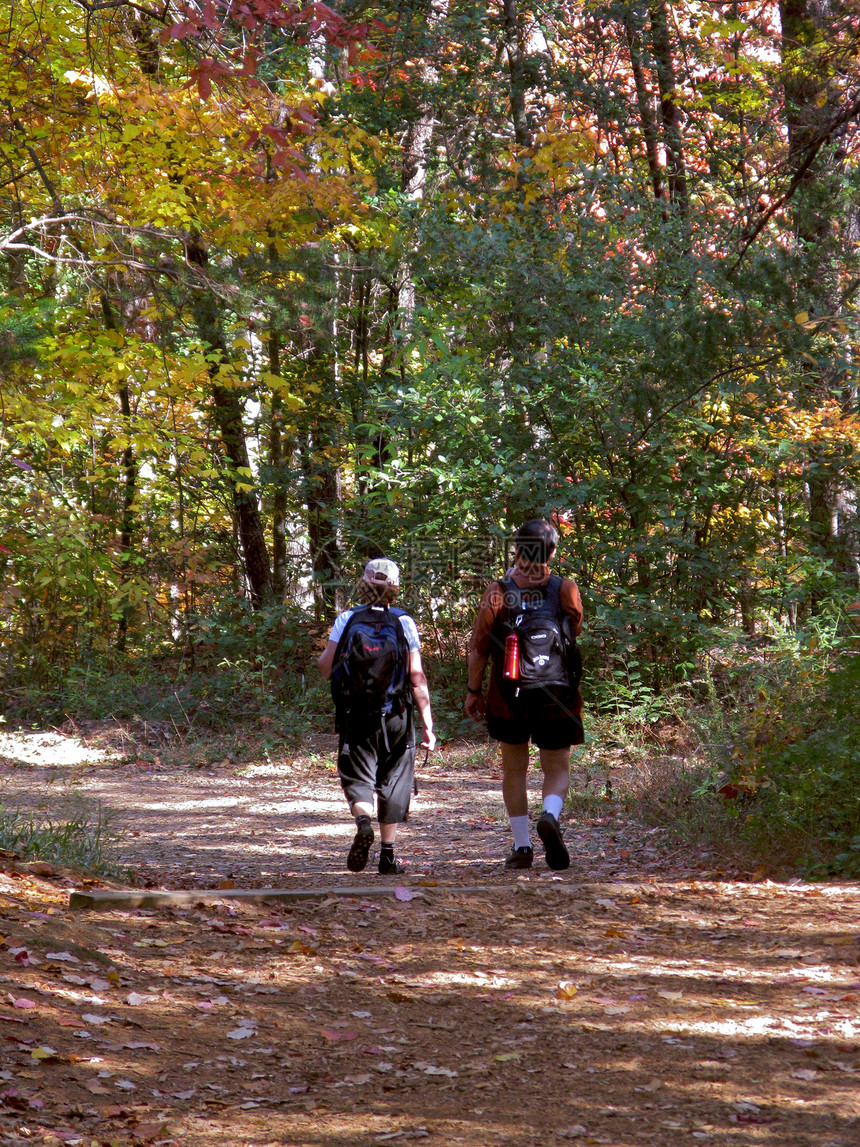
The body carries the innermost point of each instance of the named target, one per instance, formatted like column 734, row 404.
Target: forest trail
column 637, row 998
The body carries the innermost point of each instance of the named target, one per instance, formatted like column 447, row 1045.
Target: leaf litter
column 480, row 1008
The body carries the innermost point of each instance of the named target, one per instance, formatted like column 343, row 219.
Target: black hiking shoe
column 557, row 856
column 389, row 865
column 520, row 857
column 356, row 860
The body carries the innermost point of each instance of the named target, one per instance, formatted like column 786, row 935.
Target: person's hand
column 429, row 742
column 475, row 706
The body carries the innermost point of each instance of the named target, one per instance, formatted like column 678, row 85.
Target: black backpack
column 550, row 663
column 369, row 673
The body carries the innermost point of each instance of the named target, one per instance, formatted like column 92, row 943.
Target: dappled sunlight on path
column 634, row 1000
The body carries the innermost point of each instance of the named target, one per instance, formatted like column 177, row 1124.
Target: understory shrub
column 810, row 785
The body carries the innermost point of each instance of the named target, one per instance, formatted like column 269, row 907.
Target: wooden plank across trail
column 164, row 898
column 108, row 898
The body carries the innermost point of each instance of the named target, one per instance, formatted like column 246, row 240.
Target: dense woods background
column 285, row 287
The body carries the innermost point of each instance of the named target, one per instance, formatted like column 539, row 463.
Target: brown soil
column 637, row 998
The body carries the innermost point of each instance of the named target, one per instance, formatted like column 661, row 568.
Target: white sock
column 553, row 804
column 520, row 829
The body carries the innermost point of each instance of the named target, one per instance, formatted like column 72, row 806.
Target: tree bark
column 323, row 498
column 129, row 469
column 515, row 51
column 662, row 47
column 633, row 36
column 227, row 411
column 276, row 463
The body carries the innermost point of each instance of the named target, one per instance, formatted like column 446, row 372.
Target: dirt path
column 636, row 999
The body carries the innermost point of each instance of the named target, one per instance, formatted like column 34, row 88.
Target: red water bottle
column 512, row 657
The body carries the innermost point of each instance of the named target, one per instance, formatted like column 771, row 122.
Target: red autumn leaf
column 208, row 17
column 276, row 134
column 249, row 62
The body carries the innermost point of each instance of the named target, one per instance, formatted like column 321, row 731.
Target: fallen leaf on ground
column 432, row 1069
column 135, row 999
column 241, row 1032
column 148, row 1131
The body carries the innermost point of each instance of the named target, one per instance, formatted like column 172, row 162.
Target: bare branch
column 108, row 5
column 811, row 154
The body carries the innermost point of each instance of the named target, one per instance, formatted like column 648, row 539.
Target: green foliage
column 397, row 320
column 86, row 841
column 809, row 781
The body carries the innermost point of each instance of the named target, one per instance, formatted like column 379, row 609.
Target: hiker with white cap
column 373, row 659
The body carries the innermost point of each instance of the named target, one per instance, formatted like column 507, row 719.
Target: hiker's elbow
column 326, row 659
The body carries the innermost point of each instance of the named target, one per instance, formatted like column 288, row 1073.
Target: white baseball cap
column 381, row 571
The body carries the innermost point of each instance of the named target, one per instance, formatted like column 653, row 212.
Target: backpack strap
column 552, row 596
column 513, row 598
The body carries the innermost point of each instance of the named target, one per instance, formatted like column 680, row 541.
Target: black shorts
column 366, row 766
column 550, row 726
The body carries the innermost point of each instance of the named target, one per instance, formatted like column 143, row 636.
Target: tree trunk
column 515, row 51
column 323, row 498
column 276, row 464
column 129, row 469
column 227, row 410
column 633, row 35
column 662, row 47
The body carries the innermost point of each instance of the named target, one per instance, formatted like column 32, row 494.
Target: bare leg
column 556, row 771
column 515, row 767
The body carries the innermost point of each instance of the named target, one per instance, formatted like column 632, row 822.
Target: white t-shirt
column 407, row 624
